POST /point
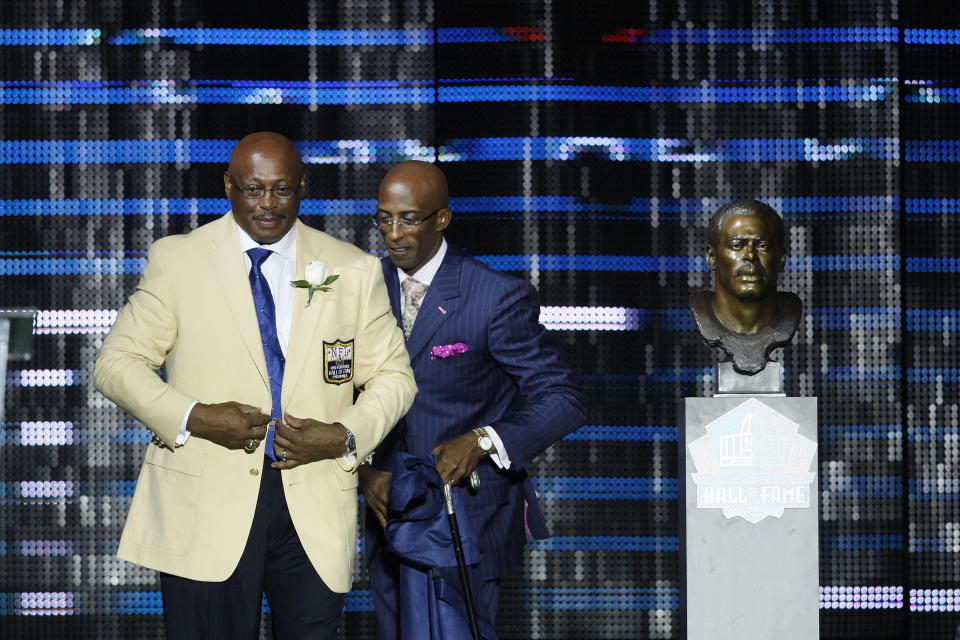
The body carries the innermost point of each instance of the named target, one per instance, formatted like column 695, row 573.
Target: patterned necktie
column 267, row 319
column 413, row 292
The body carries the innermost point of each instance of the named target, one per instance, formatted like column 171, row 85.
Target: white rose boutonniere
column 316, row 278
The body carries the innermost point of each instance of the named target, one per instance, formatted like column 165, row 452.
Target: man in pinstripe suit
column 494, row 390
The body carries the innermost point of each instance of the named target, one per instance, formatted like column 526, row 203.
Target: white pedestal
column 749, row 518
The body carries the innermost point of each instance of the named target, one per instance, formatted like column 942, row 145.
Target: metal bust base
column 749, row 353
column 766, row 382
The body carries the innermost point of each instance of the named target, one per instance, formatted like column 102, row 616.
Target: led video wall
column 585, row 144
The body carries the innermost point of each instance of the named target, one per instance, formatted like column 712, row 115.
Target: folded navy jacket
column 418, row 532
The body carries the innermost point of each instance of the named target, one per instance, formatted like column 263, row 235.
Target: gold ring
column 252, row 446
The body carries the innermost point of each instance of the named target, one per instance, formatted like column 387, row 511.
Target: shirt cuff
column 184, row 434
column 500, row 458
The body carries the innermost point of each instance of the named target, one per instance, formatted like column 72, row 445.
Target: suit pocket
column 163, row 514
column 185, row 460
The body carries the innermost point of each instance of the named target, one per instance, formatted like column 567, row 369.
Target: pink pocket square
column 447, row 350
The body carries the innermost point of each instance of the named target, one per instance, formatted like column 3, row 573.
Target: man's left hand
column 302, row 440
column 458, row 457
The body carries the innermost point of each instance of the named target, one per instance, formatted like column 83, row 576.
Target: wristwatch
column 351, row 442
column 483, row 441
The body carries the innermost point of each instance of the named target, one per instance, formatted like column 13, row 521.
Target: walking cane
column 461, row 562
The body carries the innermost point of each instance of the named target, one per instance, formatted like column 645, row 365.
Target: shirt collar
column 426, row 273
column 286, row 246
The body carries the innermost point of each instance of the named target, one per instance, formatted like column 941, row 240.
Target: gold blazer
column 192, row 312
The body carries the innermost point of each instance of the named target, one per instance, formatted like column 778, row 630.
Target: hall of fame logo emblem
column 338, row 361
column 753, row 463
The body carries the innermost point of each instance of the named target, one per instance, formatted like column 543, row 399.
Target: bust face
column 747, row 259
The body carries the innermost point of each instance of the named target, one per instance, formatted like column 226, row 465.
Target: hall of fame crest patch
column 753, row 463
column 338, row 361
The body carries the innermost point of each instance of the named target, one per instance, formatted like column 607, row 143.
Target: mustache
column 749, row 270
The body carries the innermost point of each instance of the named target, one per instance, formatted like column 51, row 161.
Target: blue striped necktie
column 267, row 319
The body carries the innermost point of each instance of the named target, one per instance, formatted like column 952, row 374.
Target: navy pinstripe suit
column 512, row 378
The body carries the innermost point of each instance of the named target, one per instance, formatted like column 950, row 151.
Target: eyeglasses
column 256, row 191
column 384, row 223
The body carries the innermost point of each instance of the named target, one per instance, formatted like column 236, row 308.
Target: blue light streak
column 933, row 265
column 932, row 36
column 267, row 92
column 52, row 37
column 605, row 488
column 854, row 207
column 623, row 433
column 30, row 266
column 338, row 152
column 815, row 35
column 274, row 37
column 463, row 35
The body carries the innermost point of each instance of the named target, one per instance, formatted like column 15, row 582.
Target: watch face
column 486, row 443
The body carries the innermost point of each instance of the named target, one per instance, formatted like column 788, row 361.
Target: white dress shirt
column 425, row 274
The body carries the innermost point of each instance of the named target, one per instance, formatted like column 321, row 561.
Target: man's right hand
column 375, row 487
column 228, row 424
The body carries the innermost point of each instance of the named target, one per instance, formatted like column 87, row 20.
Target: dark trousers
column 273, row 563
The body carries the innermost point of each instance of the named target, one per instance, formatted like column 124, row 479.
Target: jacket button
column 254, row 472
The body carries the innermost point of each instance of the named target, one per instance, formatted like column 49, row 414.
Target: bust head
column 745, row 315
column 746, row 251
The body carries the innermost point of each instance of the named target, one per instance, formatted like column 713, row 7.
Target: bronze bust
column 745, row 315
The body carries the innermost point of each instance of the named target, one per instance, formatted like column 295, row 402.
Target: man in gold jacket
column 265, row 329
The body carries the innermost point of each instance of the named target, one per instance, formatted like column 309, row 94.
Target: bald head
column 265, row 143
column 425, row 182
column 413, row 210
column 265, row 183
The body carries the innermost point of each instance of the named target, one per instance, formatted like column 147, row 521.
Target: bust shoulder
column 749, row 352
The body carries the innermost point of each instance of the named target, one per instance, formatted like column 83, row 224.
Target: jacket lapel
column 228, row 267
column 438, row 306
column 303, row 324
column 393, row 288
